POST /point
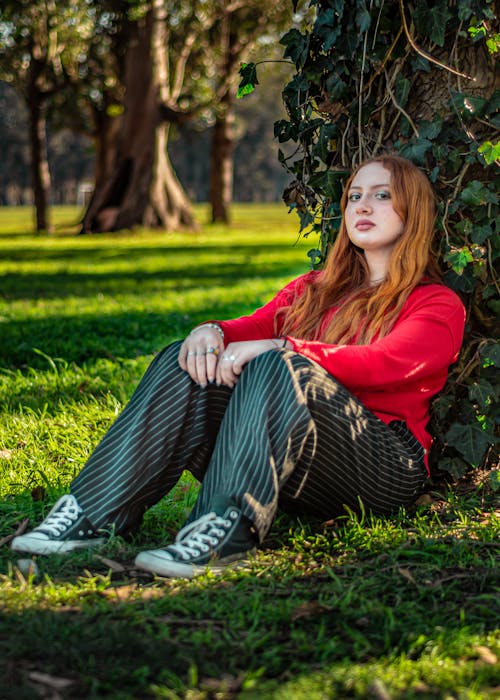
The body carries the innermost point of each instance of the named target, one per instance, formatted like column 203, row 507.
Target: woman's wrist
column 215, row 326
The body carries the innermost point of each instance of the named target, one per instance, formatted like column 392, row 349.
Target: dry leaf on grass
column 115, row 566
column 407, row 574
column 49, row 681
column 486, row 655
column 309, row 609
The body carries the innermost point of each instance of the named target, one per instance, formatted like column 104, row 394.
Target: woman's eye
column 383, row 195
column 354, row 196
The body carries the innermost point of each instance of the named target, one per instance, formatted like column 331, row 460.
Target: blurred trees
column 126, row 72
column 34, row 36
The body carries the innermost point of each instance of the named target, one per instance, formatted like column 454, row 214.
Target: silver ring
column 200, row 354
column 191, row 353
column 225, row 357
column 232, row 358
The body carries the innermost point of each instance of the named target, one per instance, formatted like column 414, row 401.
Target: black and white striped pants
column 287, row 432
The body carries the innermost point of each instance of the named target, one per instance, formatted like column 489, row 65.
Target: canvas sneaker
column 64, row 529
column 214, row 540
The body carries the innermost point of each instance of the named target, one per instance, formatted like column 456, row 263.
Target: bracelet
column 284, row 339
column 209, row 325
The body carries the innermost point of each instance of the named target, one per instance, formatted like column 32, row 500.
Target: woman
column 316, row 401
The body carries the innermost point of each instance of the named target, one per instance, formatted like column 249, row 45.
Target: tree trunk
column 221, row 165
column 40, row 173
column 142, row 189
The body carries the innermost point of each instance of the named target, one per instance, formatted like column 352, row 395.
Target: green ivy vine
column 417, row 78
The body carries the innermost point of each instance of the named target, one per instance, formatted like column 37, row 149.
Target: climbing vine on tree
column 417, row 78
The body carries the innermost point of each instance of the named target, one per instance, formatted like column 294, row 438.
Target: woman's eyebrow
column 372, row 187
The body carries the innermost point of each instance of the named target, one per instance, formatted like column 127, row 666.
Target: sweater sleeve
column 425, row 340
column 260, row 324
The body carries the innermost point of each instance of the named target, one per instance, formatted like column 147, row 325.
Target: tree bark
column 142, row 189
column 221, row 165
column 40, row 173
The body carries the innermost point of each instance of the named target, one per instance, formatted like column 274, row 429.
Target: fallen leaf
column 6, row 454
column 309, row 609
column 408, row 575
column 486, row 655
column 378, row 690
column 424, row 500
column 22, row 527
column 112, row 564
column 54, row 682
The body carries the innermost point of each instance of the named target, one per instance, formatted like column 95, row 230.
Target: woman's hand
column 231, row 362
column 200, row 352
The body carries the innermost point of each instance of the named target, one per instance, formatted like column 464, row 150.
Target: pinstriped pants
column 288, row 434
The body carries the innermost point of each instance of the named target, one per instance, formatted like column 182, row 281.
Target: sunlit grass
column 364, row 607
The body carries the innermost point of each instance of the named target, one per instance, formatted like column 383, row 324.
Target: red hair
column 364, row 310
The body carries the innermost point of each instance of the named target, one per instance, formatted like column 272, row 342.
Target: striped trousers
column 288, row 434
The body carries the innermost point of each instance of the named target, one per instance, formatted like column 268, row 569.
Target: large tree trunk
column 40, row 173
column 142, row 188
column 221, row 165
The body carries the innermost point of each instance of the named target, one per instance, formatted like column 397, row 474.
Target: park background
column 98, row 93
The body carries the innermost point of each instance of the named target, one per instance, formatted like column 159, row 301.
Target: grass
column 402, row 607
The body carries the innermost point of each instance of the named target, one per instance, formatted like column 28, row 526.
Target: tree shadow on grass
column 59, row 285
column 277, row 622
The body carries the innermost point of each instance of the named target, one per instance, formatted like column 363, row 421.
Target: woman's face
column 371, row 222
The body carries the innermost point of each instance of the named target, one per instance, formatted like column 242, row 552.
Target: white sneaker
column 64, row 529
column 214, row 540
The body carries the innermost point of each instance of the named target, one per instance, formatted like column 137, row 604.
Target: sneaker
column 64, row 529
column 214, row 540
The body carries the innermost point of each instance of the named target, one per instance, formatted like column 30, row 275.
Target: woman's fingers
column 199, row 355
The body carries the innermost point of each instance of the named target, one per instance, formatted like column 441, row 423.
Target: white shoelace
column 62, row 515
column 199, row 536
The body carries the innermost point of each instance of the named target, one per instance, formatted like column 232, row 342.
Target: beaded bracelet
column 209, row 325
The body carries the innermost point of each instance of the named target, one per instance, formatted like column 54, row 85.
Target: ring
column 190, row 354
column 200, row 354
column 212, row 351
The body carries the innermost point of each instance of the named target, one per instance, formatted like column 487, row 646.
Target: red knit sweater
column 395, row 376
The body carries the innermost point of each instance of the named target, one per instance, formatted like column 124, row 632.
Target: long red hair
column 367, row 311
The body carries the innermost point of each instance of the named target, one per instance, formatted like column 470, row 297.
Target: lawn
column 386, row 608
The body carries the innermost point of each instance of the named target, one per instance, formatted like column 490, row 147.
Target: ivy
column 365, row 83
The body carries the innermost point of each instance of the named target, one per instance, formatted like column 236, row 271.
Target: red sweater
column 395, row 376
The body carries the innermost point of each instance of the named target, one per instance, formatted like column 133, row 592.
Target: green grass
column 401, row 607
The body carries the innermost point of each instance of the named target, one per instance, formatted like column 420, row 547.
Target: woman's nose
column 363, row 205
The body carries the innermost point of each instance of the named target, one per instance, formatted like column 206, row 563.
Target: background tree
column 238, row 27
column 417, row 78
column 34, row 36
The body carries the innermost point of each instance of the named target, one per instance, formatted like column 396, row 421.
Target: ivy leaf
column 439, row 16
column 490, row 151
column 470, row 440
column 490, row 355
column 482, row 393
column 416, row 149
column 296, row 46
column 363, row 19
column 248, row 72
column 459, row 258
column 476, row 194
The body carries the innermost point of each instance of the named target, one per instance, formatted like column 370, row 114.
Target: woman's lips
column 364, row 225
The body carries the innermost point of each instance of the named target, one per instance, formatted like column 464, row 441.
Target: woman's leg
column 290, row 432
column 170, row 424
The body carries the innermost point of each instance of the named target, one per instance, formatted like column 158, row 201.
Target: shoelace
column 57, row 521
column 198, row 537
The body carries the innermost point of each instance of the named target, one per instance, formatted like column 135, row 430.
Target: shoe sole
column 33, row 545
column 157, row 564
